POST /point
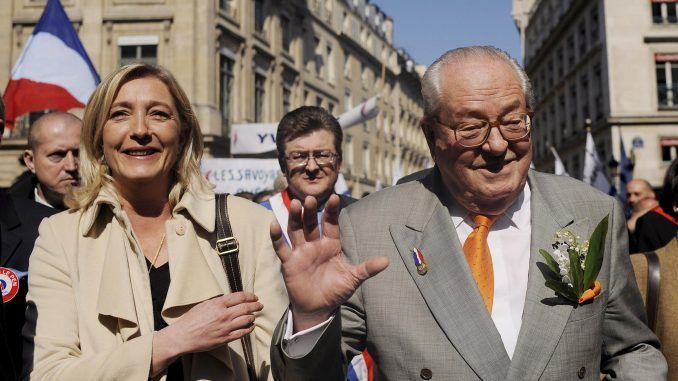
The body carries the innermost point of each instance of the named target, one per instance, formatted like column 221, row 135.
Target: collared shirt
column 509, row 241
column 41, row 200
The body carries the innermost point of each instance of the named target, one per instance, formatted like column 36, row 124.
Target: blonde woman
column 127, row 284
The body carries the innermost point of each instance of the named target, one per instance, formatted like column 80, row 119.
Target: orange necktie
column 479, row 259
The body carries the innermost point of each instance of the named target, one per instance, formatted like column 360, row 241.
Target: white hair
column 431, row 82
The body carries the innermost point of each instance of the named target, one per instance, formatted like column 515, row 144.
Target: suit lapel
column 544, row 314
column 448, row 287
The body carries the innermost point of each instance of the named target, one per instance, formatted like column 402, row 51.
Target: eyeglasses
column 474, row 133
column 322, row 158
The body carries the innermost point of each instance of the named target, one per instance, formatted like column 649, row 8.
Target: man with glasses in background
column 461, row 296
column 309, row 151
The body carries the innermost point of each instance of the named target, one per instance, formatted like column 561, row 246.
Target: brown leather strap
column 228, row 249
column 653, row 278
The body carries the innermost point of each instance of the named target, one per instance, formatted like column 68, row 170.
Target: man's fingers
column 310, row 219
column 371, row 267
column 279, row 243
column 331, row 217
column 295, row 226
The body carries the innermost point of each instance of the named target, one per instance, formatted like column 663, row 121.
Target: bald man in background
column 52, row 158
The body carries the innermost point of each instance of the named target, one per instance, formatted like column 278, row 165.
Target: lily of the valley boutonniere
column 573, row 264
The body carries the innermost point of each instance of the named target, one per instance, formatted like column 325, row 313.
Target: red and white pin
column 9, row 283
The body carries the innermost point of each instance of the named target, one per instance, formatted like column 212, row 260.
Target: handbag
column 228, row 248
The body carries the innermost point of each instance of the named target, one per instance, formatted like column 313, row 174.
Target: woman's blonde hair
column 94, row 171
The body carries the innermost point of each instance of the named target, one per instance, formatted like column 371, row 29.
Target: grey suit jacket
column 437, row 323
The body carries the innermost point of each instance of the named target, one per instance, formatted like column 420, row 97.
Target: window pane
column 657, row 13
column 149, row 51
column 671, row 13
column 226, row 72
column 258, row 15
column 259, row 81
column 286, row 33
column 661, row 84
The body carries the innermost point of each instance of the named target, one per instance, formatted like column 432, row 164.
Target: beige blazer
column 90, row 314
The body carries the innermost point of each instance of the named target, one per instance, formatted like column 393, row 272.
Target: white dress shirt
column 509, row 242
column 39, row 199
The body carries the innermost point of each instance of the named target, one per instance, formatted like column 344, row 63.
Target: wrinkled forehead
column 481, row 84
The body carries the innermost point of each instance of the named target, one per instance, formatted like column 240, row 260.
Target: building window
column 561, row 116
column 667, row 79
column 226, row 6
column 225, row 91
column 318, row 57
column 595, row 20
column 259, row 15
column 573, row 107
column 348, row 153
column 287, row 98
column 584, row 80
column 348, row 100
column 582, row 39
column 142, row 49
column 286, row 33
column 347, row 65
column 259, row 93
column 560, row 61
column 664, row 12
column 598, row 90
column 366, row 159
column 570, row 52
column 331, row 77
column 669, row 147
column 549, row 75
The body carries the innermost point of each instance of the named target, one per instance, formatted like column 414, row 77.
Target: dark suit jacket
column 24, row 187
column 19, row 221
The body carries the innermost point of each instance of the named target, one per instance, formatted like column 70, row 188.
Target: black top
column 653, row 231
column 160, row 281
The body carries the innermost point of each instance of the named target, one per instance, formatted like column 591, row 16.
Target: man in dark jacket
column 19, row 221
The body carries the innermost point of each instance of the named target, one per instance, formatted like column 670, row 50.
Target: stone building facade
column 607, row 65
column 247, row 61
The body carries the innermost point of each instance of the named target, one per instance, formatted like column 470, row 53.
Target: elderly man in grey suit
column 459, row 310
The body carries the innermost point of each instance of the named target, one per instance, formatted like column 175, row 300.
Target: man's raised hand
column 317, row 276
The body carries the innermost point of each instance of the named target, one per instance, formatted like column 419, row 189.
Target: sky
column 428, row 28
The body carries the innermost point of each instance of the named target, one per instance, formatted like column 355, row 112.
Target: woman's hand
column 206, row 326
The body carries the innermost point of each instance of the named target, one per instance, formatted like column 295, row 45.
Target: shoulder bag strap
column 653, row 278
column 228, row 248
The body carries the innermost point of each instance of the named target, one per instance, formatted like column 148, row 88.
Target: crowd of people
column 112, row 268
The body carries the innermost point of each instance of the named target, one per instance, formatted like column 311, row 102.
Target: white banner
column 361, row 113
column 240, row 175
column 252, row 138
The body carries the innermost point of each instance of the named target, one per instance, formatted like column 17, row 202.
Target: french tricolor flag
column 53, row 71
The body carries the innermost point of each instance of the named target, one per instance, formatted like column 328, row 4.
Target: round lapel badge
column 9, row 283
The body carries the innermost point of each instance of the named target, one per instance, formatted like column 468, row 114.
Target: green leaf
column 594, row 258
column 576, row 273
column 563, row 290
column 553, row 265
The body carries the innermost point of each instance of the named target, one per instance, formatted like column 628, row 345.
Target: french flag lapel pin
column 419, row 261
